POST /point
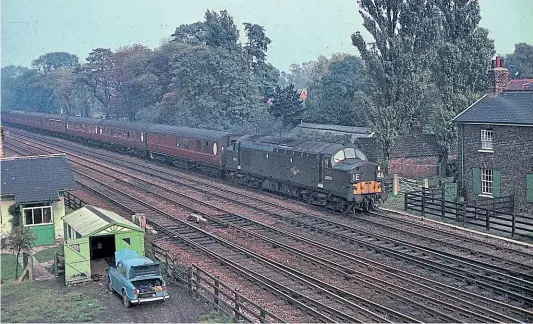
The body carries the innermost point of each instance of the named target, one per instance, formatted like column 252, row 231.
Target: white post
column 395, row 184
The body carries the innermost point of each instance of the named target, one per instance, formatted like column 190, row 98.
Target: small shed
column 92, row 235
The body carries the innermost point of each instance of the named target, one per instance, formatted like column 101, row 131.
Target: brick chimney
column 498, row 76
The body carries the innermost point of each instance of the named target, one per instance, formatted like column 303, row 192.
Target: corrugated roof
column 91, row 219
column 509, row 107
column 36, row 178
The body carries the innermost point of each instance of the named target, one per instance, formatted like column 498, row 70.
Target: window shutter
column 476, row 178
column 529, row 187
column 496, row 183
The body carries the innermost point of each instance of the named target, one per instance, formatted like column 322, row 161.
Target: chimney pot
column 498, row 61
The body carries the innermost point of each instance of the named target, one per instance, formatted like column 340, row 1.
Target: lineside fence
column 206, row 285
column 480, row 215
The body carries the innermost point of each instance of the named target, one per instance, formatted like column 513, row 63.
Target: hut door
column 77, row 261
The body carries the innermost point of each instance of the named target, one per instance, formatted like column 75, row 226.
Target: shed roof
column 509, row 107
column 36, row 178
column 91, row 220
column 404, row 146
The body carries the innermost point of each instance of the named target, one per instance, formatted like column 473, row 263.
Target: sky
column 300, row 30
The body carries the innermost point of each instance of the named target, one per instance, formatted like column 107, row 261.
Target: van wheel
column 125, row 300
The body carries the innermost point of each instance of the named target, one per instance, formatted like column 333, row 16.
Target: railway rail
column 337, row 229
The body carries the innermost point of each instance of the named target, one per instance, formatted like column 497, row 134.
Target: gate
column 77, row 265
column 450, row 191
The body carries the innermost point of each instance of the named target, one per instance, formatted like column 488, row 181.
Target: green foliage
column 336, row 97
column 44, row 302
column 56, row 60
column 8, row 266
column 396, row 63
column 520, row 63
column 18, row 240
column 48, row 254
column 287, row 106
column 220, row 30
column 216, row 317
column 463, row 56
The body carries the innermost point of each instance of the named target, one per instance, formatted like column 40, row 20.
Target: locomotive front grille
column 362, row 188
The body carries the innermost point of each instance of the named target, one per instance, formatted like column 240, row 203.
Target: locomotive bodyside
column 325, row 174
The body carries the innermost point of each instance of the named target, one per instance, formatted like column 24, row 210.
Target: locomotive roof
column 269, row 143
column 125, row 124
column 204, row 134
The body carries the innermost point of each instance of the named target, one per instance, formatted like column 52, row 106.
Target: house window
column 487, row 182
column 486, row 139
column 37, row 215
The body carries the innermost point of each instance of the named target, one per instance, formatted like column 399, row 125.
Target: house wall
column 420, row 167
column 512, row 156
column 5, row 226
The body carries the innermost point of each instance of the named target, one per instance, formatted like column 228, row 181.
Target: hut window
column 37, row 215
column 127, row 240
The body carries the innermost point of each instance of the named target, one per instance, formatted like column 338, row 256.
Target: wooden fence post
column 513, row 230
column 237, row 307
column 262, row 316
column 395, row 184
column 443, row 201
column 464, row 211
column 216, row 292
column 190, row 279
column 56, row 260
column 405, row 201
column 423, row 202
column 487, row 220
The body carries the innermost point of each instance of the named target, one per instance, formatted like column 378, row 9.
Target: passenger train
column 327, row 174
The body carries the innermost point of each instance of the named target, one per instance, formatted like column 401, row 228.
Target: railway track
column 318, row 226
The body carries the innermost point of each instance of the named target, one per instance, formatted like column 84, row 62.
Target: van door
column 320, row 171
column 239, row 156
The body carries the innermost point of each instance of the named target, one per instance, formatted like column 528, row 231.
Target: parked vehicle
column 136, row 278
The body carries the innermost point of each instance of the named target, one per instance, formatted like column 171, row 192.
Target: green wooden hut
column 92, row 235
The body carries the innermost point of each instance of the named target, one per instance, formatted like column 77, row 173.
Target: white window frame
column 33, row 215
column 487, row 139
column 487, row 182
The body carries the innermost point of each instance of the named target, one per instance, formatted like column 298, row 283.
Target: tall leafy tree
column 459, row 70
column 97, row 74
column 221, row 30
column 337, row 96
column 520, row 63
column 396, row 62
column 287, row 106
column 56, row 60
column 212, row 88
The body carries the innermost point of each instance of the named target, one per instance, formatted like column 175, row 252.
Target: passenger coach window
column 198, row 146
column 206, row 147
column 186, row 143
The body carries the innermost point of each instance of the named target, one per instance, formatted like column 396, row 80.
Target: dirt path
column 181, row 307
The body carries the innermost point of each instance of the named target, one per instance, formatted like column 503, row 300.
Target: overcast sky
column 299, row 30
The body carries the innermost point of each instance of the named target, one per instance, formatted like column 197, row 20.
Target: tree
column 56, row 60
column 287, row 106
column 459, row 70
column 337, row 96
column 97, row 76
column 520, row 63
column 221, row 30
column 396, row 63
column 18, row 240
column 211, row 87
column 192, row 34
column 257, row 44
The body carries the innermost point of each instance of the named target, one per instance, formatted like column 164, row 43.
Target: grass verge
column 48, row 254
column 8, row 266
column 216, row 317
column 46, row 302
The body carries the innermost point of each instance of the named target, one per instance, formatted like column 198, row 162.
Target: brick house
column 35, row 185
column 496, row 144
